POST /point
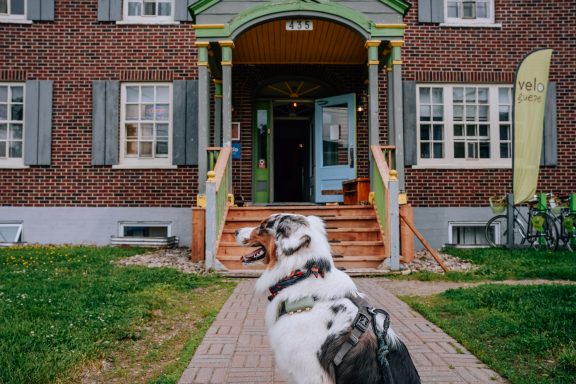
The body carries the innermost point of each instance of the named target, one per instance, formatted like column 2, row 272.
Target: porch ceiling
column 327, row 43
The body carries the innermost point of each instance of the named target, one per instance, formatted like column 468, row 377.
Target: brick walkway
column 235, row 349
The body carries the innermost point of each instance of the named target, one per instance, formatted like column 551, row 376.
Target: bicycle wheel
column 496, row 231
column 542, row 232
column 567, row 236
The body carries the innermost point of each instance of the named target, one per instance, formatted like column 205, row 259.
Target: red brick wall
column 490, row 55
column 73, row 50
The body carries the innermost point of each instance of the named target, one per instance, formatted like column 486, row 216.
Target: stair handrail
column 385, row 200
column 217, row 201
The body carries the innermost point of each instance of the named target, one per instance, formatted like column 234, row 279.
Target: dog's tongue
column 253, row 256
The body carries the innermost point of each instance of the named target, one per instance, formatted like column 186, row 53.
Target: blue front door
column 335, row 146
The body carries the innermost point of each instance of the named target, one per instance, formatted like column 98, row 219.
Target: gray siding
column 38, row 122
column 181, row 10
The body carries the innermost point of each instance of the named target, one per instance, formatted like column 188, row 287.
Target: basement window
column 144, row 230
column 145, row 233
column 466, row 234
column 10, row 233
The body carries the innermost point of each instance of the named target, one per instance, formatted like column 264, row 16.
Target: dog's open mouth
column 253, row 256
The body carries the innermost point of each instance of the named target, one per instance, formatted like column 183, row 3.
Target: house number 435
column 299, row 25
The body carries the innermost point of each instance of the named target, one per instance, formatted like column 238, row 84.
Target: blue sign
column 236, row 151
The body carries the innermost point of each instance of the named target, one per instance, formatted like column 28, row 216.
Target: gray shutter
column 181, row 10
column 38, row 122
column 105, row 126
column 431, row 11
column 409, row 111
column 185, row 122
column 549, row 144
column 40, row 10
column 109, row 10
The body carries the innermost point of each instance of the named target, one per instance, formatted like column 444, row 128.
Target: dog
column 320, row 327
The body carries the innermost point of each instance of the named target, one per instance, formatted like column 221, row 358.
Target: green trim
column 200, row 6
column 399, row 6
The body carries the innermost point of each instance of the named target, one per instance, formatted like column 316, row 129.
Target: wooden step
column 233, row 262
column 334, row 234
column 330, row 222
column 338, row 249
column 260, row 213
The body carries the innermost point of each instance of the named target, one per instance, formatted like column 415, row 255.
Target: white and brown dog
column 319, row 326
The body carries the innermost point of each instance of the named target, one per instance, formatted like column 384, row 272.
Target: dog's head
column 280, row 236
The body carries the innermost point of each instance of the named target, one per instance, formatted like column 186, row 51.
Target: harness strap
column 294, row 278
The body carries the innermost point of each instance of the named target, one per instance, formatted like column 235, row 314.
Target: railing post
column 394, row 208
column 211, row 220
column 510, row 221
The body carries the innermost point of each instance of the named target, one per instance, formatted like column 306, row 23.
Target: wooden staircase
column 353, row 233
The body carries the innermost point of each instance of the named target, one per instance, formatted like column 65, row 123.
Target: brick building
column 107, row 107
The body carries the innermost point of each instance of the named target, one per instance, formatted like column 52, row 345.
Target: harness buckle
column 362, row 322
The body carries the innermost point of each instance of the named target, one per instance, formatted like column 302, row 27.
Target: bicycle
column 566, row 220
column 537, row 231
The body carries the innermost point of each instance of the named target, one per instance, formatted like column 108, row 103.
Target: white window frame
column 126, row 161
column 8, row 17
column 13, row 162
column 449, row 161
column 147, row 19
column 462, row 21
column 481, row 224
column 18, row 237
column 123, row 224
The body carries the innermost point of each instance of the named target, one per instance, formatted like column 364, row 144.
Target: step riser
column 339, row 250
column 259, row 214
column 346, row 264
column 338, row 236
column 352, row 223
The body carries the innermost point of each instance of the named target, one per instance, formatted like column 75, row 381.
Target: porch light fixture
column 361, row 102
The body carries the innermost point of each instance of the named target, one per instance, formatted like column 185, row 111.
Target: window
column 12, row 10
column 467, row 234
column 145, row 229
column 464, row 125
column 469, row 12
column 146, row 124
column 11, row 124
column 10, row 232
column 149, row 11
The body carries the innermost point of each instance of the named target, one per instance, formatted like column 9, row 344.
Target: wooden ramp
column 353, row 233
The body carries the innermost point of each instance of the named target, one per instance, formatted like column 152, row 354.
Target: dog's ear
column 291, row 234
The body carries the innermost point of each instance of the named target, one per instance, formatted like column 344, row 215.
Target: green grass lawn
column 525, row 333
column 502, row 264
column 65, row 309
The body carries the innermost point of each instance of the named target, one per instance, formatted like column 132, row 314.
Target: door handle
column 351, row 159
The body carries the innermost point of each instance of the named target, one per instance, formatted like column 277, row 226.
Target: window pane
column 483, row 95
column 132, row 148
column 425, row 132
column 162, row 130
column 452, row 9
column 504, row 132
column 504, row 95
column 425, row 150
column 3, row 112
column 472, row 150
column 162, row 148
column 485, row 150
column 132, row 94
column 162, row 94
column 15, row 149
column 438, row 151
column 437, row 95
column 468, row 10
column 471, row 130
column 3, row 132
column 438, row 132
column 458, row 95
column 162, row 112
column 458, row 113
column 147, row 94
column 3, row 6
column 17, row 94
column 505, row 150
column 437, row 113
column 148, row 112
column 470, row 113
column 146, row 149
column 3, row 93
column 16, row 131
column 17, row 7
column 470, row 95
column 424, row 113
column 458, row 130
column 425, row 95
column 149, row 8
column 164, row 9
column 459, row 151
column 17, row 112
column 132, row 111
column 504, row 113
column 483, row 130
column 131, row 131
column 483, row 113
column 134, row 9
column 482, row 10
column 147, row 131
column 2, row 149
